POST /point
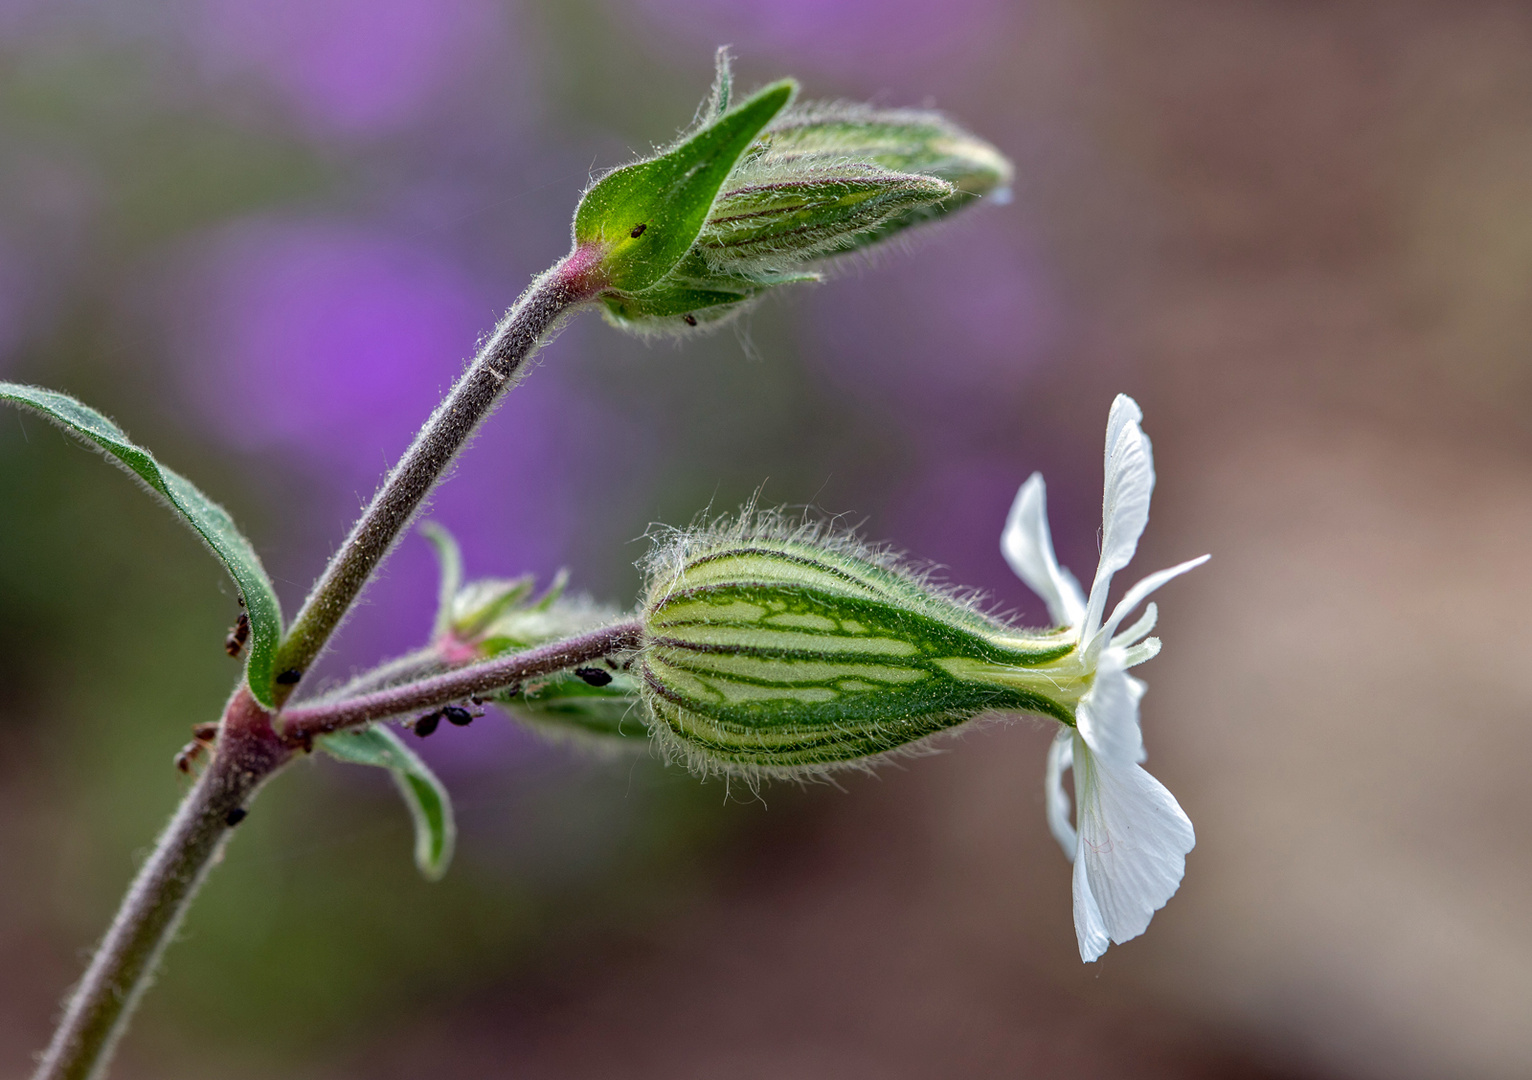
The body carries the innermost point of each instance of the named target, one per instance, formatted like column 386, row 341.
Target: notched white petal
column 1133, row 633
column 1060, row 758
column 1134, row 655
column 1134, row 838
column 1090, row 928
column 1137, row 595
column 1027, row 545
column 1124, row 500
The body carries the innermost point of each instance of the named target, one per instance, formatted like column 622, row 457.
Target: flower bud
column 496, row 616
column 804, row 184
column 901, row 140
column 493, row 616
column 770, row 217
column 779, row 651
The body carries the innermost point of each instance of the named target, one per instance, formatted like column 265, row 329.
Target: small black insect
column 290, row 676
column 594, row 675
column 234, row 644
column 427, row 723
column 689, row 320
column 457, row 716
column 235, row 816
column 638, row 230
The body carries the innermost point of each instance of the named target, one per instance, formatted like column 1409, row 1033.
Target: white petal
column 1090, row 928
column 1134, row 837
column 1124, row 500
column 1060, row 758
column 1134, row 655
column 1107, row 716
column 1027, row 545
column 1137, row 595
column 1138, row 630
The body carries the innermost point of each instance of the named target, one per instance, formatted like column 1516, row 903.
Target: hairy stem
column 496, row 368
column 248, row 752
column 302, row 723
column 411, row 667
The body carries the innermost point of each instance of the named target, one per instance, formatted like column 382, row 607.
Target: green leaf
column 211, row 521
column 450, row 558
column 430, row 806
column 647, row 215
column 723, row 85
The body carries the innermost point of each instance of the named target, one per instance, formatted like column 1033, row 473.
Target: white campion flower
column 1131, row 837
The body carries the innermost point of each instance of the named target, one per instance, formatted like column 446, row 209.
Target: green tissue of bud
column 911, row 141
column 773, row 651
column 567, row 707
column 767, row 218
column 501, row 617
column 694, row 295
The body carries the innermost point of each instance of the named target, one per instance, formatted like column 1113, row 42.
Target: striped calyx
column 773, row 651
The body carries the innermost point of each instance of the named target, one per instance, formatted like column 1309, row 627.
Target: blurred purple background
column 266, row 237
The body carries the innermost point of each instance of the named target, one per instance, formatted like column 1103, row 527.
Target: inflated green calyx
column 778, row 651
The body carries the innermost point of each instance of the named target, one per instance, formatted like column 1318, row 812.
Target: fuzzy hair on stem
column 535, row 316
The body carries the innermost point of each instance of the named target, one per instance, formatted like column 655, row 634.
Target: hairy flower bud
column 803, row 184
column 493, row 616
column 911, row 141
column 773, row 650
column 771, row 217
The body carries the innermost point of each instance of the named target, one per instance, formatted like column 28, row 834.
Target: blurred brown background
column 264, row 238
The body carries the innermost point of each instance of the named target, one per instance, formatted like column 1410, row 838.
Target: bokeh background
column 265, row 236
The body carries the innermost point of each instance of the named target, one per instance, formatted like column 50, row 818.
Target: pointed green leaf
column 717, row 102
column 430, row 806
column 645, row 216
column 211, row 521
column 450, row 558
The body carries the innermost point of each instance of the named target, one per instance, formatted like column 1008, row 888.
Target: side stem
column 301, row 724
column 248, row 752
column 496, row 368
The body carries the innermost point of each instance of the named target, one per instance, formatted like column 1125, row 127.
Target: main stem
column 496, row 368
column 249, row 751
